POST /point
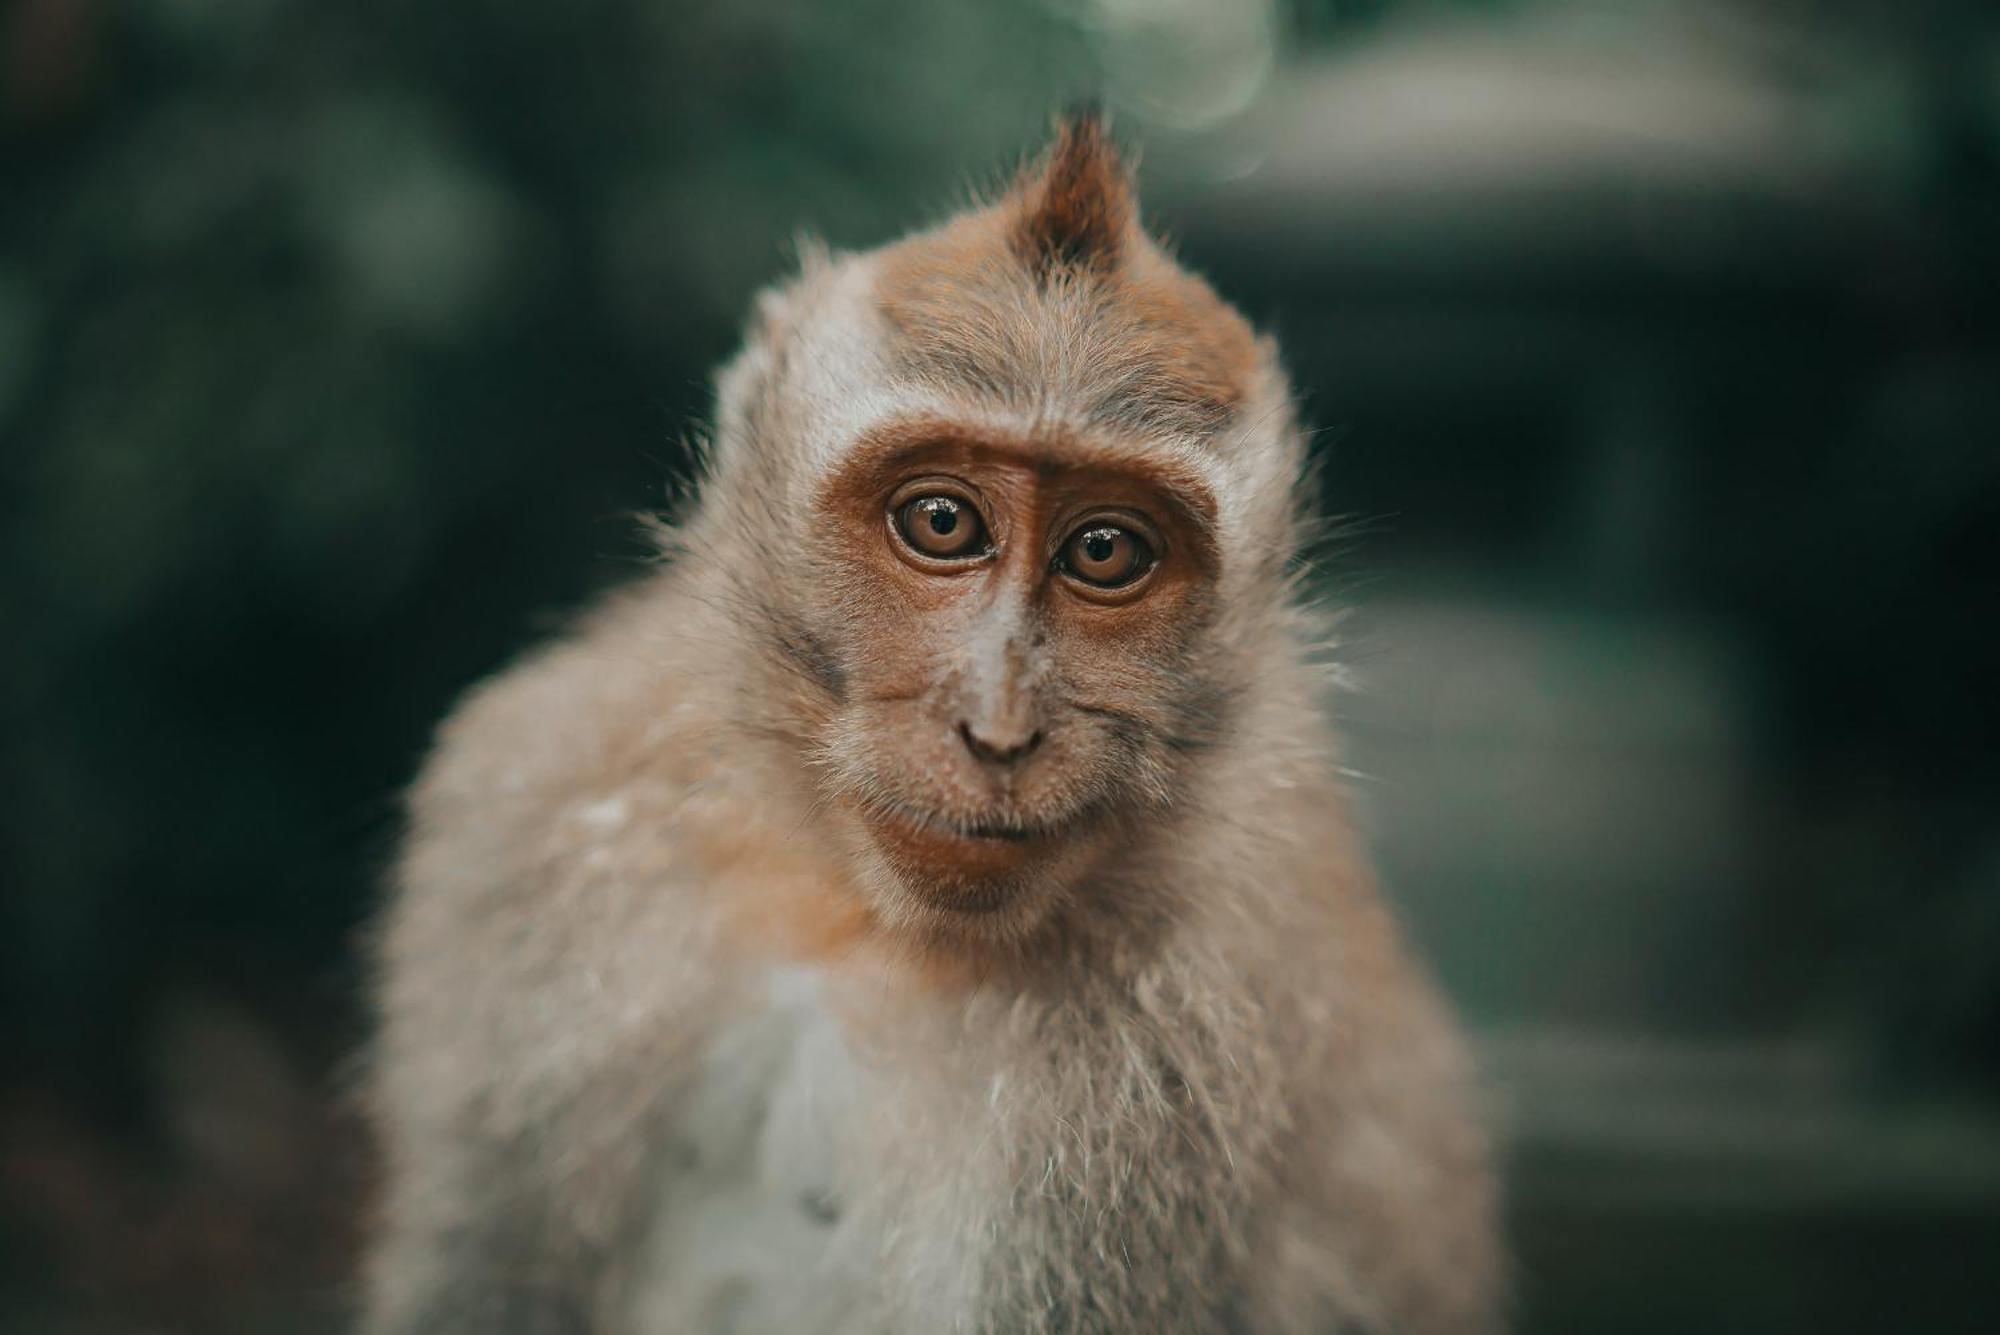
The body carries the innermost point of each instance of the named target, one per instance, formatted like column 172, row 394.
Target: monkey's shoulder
column 583, row 712
column 560, row 829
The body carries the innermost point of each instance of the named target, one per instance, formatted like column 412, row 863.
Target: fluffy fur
column 669, row 1042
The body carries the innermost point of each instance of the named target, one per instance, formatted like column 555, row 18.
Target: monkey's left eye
column 942, row 526
column 1106, row 556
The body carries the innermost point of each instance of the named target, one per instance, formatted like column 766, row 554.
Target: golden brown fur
column 1109, row 1034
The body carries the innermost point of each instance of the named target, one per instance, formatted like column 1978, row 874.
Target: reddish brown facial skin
column 1007, row 713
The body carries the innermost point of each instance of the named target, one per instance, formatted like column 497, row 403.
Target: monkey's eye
column 1106, row 556
column 942, row 526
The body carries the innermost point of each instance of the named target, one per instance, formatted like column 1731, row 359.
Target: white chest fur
column 748, row 1236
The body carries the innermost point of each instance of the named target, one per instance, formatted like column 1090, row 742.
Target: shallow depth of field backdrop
column 1654, row 351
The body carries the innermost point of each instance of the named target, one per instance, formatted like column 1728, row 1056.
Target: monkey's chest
column 746, row 1234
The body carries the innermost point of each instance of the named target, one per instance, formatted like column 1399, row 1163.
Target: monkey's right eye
column 943, row 527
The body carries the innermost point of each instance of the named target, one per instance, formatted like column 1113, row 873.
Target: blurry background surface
column 1655, row 354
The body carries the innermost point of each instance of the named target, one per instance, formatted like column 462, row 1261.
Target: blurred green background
column 1655, row 352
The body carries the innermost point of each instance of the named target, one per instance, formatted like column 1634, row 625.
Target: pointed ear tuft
column 1076, row 204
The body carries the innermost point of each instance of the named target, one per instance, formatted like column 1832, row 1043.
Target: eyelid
column 957, row 489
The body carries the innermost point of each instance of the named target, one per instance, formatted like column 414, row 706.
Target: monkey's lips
column 926, row 843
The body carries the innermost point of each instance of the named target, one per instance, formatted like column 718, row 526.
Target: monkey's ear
column 1075, row 204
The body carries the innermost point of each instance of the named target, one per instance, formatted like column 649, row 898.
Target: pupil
column 1098, row 546
column 944, row 518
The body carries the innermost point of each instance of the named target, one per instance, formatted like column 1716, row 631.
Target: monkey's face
column 1013, row 626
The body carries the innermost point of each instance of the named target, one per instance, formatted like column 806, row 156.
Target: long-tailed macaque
column 927, row 903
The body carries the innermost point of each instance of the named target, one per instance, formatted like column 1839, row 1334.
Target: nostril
column 998, row 750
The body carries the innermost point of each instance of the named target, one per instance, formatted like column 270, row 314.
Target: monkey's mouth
column 1000, row 831
column 964, row 863
column 945, row 853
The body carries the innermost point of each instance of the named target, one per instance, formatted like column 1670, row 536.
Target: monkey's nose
column 999, row 746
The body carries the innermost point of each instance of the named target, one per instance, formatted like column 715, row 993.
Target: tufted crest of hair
column 1054, row 293
column 1075, row 211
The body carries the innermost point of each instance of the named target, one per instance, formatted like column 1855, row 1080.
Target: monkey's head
column 1010, row 503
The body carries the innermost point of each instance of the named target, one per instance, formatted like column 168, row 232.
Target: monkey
column 928, row 901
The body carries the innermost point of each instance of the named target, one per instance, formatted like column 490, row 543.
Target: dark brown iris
column 942, row 526
column 1106, row 555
